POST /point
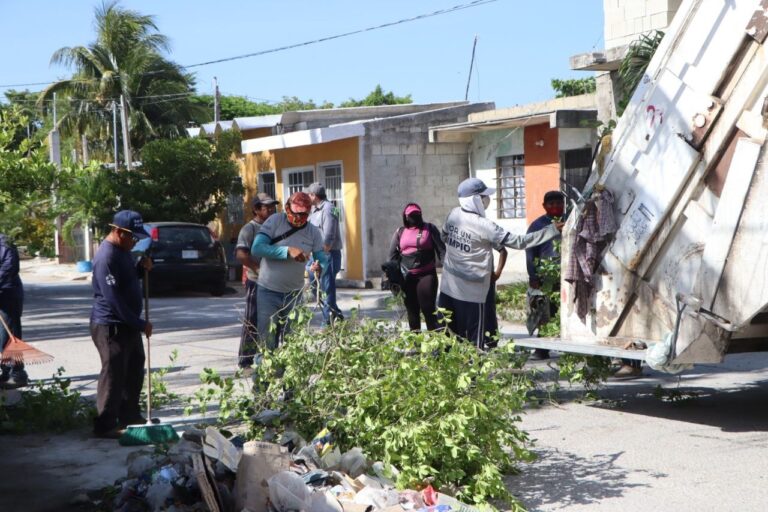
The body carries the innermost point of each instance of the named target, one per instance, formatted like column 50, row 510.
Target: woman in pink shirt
column 417, row 246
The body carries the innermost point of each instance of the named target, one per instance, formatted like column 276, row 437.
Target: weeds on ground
column 674, row 396
column 47, row 407
column 160, row 394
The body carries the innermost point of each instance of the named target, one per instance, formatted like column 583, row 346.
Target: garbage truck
column 667, row 246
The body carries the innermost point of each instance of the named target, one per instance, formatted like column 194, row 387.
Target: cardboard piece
column 259, row 462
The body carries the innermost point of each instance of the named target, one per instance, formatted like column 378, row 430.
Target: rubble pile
column 205, row 471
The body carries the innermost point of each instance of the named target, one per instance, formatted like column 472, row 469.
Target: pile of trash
column 206, row 471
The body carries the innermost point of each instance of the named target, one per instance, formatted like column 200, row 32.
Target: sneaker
column 15, row 380
column 628, row 372
column 539, row 354
column 113, row 433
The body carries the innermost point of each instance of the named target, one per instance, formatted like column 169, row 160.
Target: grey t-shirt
column 287, row 275
column 469, row 240
column 326, row 217
column 245, row 240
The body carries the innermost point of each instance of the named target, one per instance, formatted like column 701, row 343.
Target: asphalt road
column 631, row 451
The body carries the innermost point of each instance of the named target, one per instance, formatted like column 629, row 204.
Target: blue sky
column 521, row 45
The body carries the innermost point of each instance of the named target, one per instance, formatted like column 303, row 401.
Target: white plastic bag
column 657, row 357
column 287, row 491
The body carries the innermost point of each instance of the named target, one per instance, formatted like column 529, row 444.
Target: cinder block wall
column 625, row 20
column 401, row 166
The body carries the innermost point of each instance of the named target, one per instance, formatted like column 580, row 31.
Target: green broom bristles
column 148, row 434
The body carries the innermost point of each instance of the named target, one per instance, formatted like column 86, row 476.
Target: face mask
column 486, row 201
column 554, row 211
column 414, row 219
column 296, row 220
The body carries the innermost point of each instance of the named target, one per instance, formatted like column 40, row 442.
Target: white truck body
column 688, row 171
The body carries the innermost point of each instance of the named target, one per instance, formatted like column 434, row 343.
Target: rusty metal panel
column 757, row 28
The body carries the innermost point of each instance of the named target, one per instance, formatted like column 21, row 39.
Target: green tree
column 180, row 179
column 573, row 86
column 26, row 183
column 126, row 59
column 378, row 97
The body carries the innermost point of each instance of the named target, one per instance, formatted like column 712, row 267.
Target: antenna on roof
column 471, row 63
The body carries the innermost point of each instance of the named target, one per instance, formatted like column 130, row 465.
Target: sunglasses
column 298, row 214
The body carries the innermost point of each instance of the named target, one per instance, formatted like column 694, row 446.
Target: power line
column 473, row 3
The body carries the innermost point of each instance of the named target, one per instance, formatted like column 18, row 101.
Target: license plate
column 190, row 255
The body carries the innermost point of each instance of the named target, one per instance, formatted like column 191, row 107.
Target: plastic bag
column 657, row 357
column 287, row 491
column 353, row 462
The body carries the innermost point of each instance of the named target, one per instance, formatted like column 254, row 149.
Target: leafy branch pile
column 426, row 403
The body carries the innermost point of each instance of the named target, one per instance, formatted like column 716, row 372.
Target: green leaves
column 428, row 403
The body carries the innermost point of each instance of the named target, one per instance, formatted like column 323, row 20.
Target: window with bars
column 510, row 187
column 299, row 180
column 267, row 184
column 333, row 184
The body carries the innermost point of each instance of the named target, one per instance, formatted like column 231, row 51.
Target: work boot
column 628, row 372
column 539, row 354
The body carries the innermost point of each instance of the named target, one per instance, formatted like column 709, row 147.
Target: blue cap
column 130, row 221
column 474, row 187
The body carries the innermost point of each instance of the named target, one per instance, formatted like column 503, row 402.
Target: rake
column 17, row 351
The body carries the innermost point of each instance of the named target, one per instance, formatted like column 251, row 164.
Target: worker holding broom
column 12, row 374
column 116, row 326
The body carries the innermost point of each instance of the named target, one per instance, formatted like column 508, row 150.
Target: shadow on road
column 565, row 479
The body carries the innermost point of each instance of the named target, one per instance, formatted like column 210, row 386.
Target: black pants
column 467, row 318
column 250, row 323
column 122, row 375
column 420, row 297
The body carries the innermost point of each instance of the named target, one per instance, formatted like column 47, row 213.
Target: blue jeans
column 273, row 309
column 331, row 310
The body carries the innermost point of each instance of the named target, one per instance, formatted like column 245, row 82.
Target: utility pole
column 114, row 131
column 126, row 140
column 54, row 148
column 216, row 101
column 471, row 63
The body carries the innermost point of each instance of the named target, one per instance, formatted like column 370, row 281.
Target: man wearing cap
column 554, row 211
column 284, row 244
column 469, row 239
column 262, row 206
column 326, row 217
column 12, row 375
column 116, row 325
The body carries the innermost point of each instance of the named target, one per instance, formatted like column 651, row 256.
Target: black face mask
column 414, row 219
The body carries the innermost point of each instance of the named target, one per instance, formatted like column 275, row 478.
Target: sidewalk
column 49, row 270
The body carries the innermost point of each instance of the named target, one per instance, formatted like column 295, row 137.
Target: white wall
column 626, row 19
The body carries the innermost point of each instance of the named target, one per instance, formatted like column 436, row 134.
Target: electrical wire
column 473, row 3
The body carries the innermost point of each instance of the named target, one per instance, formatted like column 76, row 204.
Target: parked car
column 184, row 255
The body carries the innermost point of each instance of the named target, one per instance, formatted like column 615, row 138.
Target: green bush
column 47, row 407
column 429, row 404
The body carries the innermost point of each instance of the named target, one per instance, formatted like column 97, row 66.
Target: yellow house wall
column 347, row 152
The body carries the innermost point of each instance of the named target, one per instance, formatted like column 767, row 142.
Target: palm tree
column 125, row 60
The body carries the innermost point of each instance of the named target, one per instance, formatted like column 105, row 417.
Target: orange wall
column 542, row 167
column 346, row 151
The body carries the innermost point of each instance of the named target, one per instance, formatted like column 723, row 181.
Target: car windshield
column 183, row 235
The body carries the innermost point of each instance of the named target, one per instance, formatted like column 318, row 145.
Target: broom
column 149, row 433
column 16, row 351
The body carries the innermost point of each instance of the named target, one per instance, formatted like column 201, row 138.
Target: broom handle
column 149, row 365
